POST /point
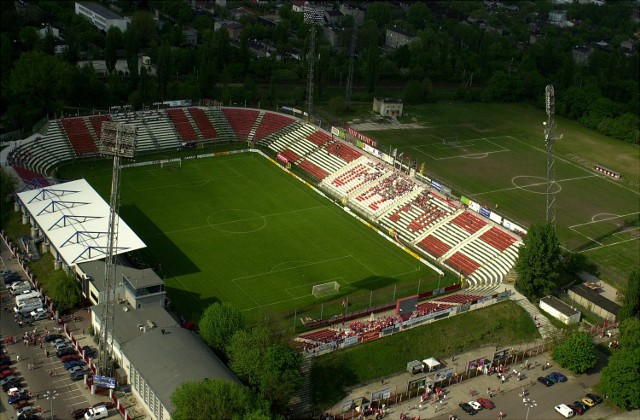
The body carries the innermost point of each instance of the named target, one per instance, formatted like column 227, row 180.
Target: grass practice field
column 494, row 154
column 238, row 229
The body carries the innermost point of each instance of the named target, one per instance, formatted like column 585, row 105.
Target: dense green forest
column 464, row 50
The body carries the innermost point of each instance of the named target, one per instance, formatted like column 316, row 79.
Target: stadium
column 260, row 209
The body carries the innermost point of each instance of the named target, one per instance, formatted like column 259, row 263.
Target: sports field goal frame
column 325, row 289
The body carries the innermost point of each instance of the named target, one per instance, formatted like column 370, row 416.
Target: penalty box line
column 500, row 148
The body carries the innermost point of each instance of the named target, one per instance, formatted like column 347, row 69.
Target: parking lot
column 39, row 371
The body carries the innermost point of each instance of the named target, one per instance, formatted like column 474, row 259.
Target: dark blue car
column 559, row 376
column 17, row 398
column 73, row 364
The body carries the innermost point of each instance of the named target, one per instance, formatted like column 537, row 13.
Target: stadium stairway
column 546, row 329
column 301, row 404
column 220, row 123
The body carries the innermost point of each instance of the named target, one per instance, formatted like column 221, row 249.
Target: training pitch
column 494, row 154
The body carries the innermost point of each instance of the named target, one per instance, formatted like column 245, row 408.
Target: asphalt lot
column 49, row 383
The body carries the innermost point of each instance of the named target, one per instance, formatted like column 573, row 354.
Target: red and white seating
column 79, row 136
column 241, row 121
column 271, row 122
column 204, row 124
column 185, row 130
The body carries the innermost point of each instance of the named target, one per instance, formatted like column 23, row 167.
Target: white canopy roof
column 75, row 219
column 431, row 362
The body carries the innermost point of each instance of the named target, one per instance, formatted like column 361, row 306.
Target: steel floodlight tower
column 549, row 140
column 117, row 140
column 313, row 17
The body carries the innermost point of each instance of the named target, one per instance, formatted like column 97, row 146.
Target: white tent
column 431, row 364
column 75, row 220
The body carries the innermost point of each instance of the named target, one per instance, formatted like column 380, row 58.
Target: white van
column 28, row 305
column 95, row 413
column 25, row 296
column 564, row 410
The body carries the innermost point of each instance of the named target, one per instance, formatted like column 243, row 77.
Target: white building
column 101, row 17
column 560, row 310
column 388, row 107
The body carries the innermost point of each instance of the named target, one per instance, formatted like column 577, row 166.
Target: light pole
column 528, row 402
column 51, row 395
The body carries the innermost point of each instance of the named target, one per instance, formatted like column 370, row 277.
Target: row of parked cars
column 472, row 407
column 72, row 361
column 578, row 407
column 552, row 378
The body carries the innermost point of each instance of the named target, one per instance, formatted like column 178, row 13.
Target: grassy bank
column 502, row 323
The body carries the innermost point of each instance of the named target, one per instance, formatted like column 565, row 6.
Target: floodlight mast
column 549, row 141
column 313, row 17
column 352, row 53
column 117, row 140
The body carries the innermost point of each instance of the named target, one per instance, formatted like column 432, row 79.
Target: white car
column 24, row 410
column 15, row 390
column 564, row 410
column 57, row 341
column 39, row 313
column 476, row 405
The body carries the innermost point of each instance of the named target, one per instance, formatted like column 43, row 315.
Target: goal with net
column 325, row 289
column 171, row 163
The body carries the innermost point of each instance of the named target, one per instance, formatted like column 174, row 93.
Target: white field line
column 605, row 219
column 520, row 187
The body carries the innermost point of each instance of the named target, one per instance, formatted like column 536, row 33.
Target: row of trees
column 260, row 356
column 488, row 65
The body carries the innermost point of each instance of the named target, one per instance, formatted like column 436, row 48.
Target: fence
column 360, row 304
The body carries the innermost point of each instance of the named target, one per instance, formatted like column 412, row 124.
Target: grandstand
column 415, row 215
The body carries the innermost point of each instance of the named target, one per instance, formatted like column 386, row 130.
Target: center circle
column 534, row 184
column 236, row 221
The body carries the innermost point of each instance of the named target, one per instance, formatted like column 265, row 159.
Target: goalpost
column 325, row 289
column 171, row 163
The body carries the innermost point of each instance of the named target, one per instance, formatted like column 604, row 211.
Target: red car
column 576, row 409
column 486, row 403
column 6, row 373
column 70, row 357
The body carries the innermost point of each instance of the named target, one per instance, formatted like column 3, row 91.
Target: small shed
column 560, row 310
column 431, row 364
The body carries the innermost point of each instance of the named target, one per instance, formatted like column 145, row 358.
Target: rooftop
column 559, row 305
column 100, row 10
column 596, row 299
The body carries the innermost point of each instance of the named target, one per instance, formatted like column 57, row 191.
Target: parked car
column 588, row 401
column 13, row 399
column 15, row 390
column 564, row 410
column 39, row 314
column 559, row 376
column 476, row 405
column 595, row 398
column 545, row 381
column 7, row 372
column 79, row 374
column 57, row 341
column 52, row 337
column 88, row 351
column 79, row 413
column 581, row 405
column 551, row 377
column 486, row 403
column 24, row 410
column 10, row 279
column 468, row 409
column 11, row 384
column 70, row 357
column 577, row 410
column 97, row 413
column 74, row 363
column 77, row 369
column 65, row 351
column 8, row 379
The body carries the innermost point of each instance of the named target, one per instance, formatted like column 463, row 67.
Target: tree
column 7, row 186
column 263, row 359
column 577, row 353
column 219, row 322
column 35, row 87
column 65, row 291
column 165, row 68
column 620, row 379
column 538, row 261
column 218, row 399
column 631, row 301
column 114, row 40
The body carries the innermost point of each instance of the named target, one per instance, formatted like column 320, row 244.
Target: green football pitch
column 238, row 229
column 494, row 154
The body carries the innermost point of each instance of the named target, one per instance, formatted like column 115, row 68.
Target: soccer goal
column 325, row 289
column 171, row 164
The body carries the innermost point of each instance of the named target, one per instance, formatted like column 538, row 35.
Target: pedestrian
column 501, row 415
column 17, row 357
